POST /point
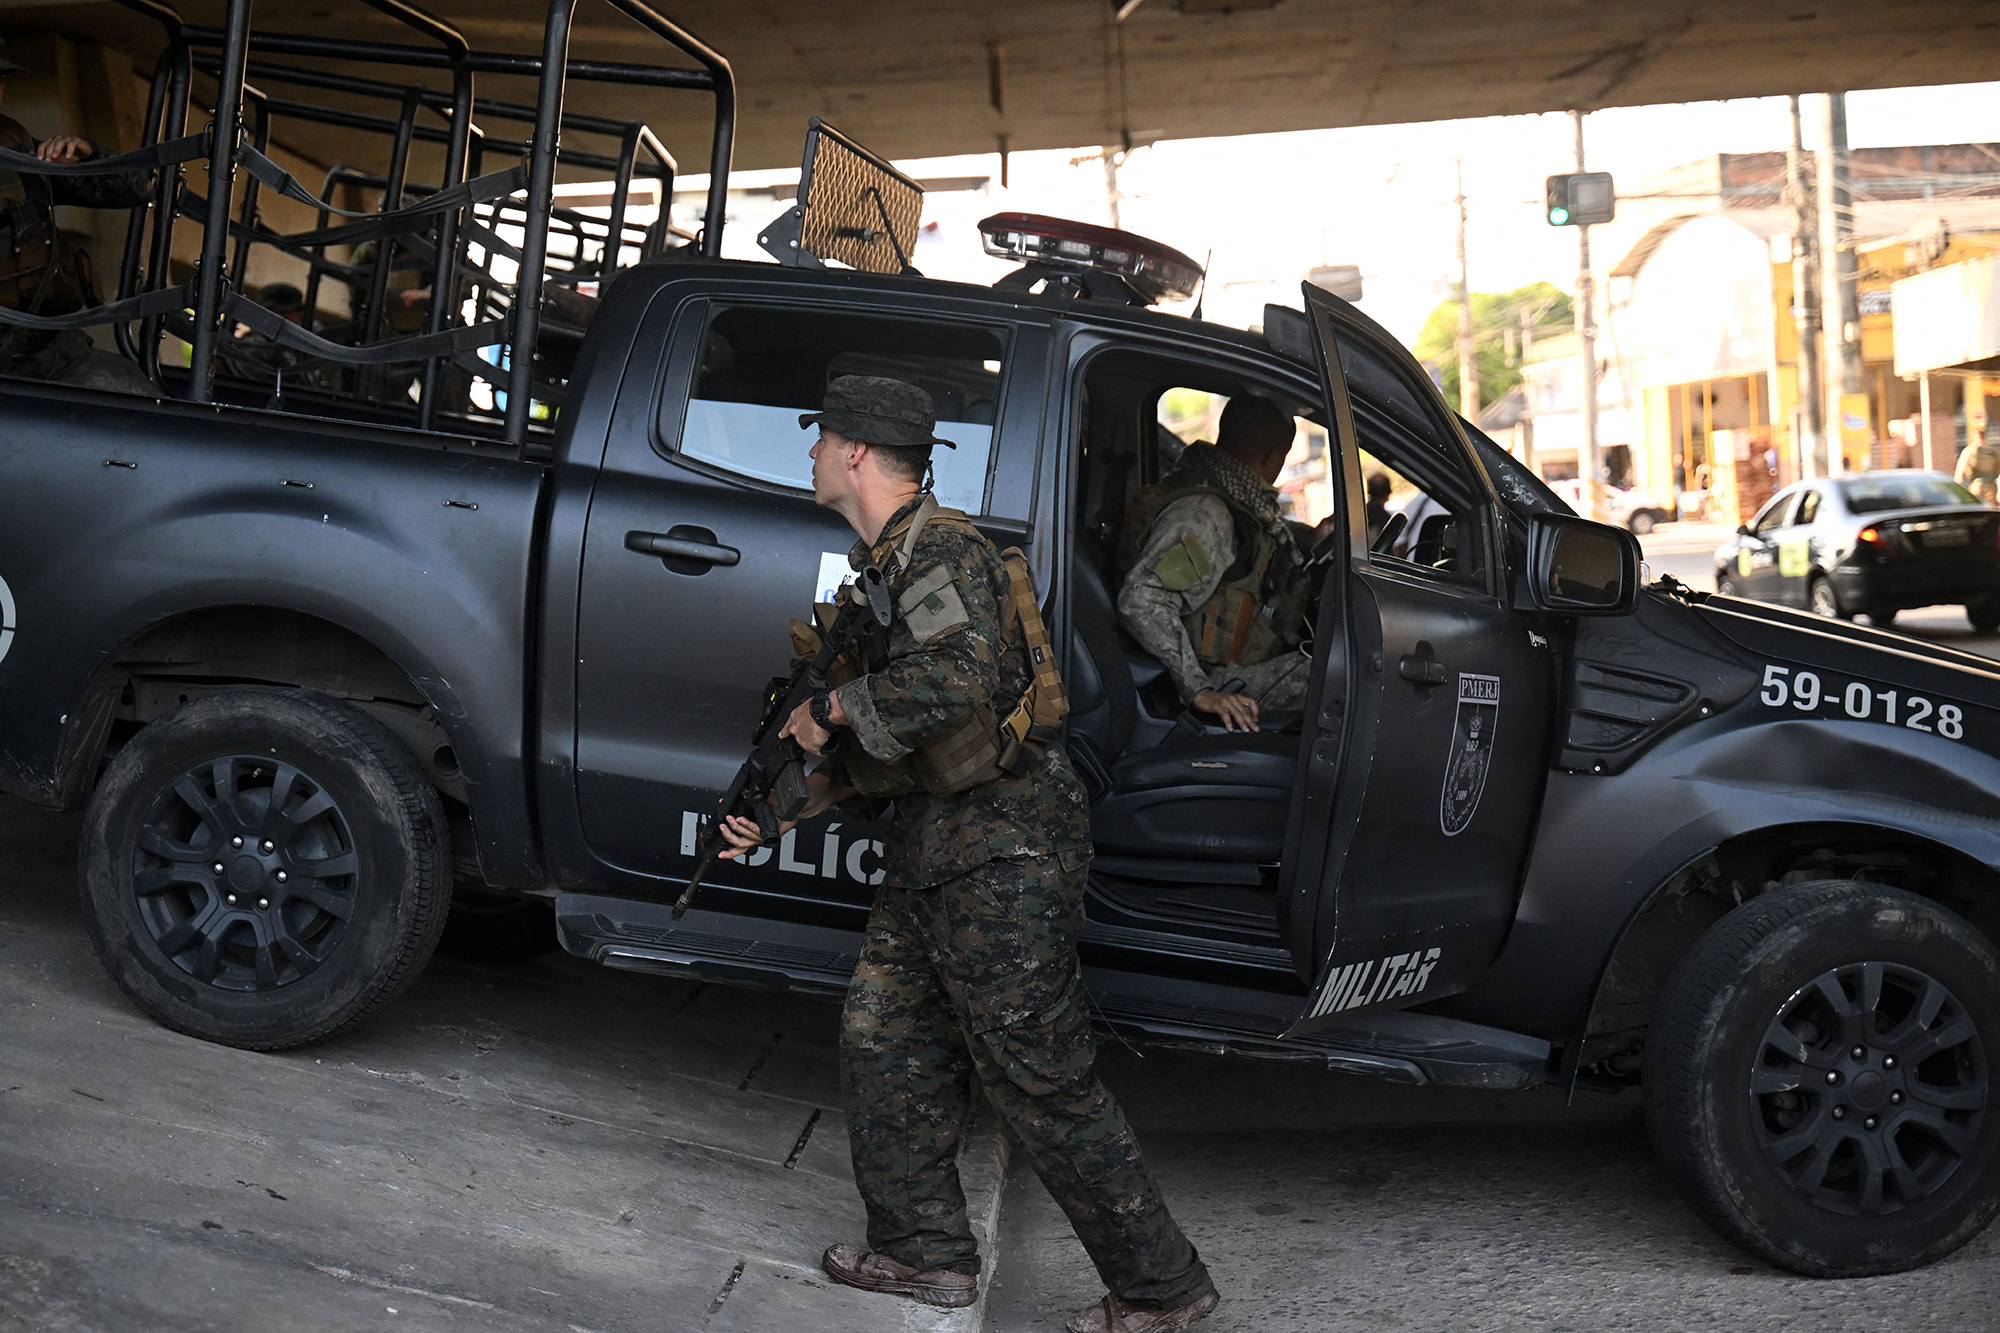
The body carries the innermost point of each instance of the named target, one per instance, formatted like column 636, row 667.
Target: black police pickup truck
column 1538, row 824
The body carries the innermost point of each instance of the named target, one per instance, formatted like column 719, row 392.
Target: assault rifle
column 771, row 786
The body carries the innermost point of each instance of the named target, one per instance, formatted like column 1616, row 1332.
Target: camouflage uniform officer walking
column 969, row 964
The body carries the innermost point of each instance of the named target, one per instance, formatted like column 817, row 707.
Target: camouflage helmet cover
column 878, row 410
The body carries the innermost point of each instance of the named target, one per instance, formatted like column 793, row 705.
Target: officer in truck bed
column 41, row 273
column 968, row 968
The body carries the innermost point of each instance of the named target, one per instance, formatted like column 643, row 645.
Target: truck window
column 761, row 366
column 1434, row 502
column 1305, row 487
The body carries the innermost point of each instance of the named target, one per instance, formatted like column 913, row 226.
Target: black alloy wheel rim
column 1869, row 1089
column 246, row 873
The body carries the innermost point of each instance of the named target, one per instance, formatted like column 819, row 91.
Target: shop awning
column 1948, row 319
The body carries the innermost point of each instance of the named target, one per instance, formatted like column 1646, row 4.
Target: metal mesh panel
column 857, row 209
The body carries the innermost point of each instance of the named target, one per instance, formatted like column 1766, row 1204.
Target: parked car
column 1628, row 506
column 1874, row 544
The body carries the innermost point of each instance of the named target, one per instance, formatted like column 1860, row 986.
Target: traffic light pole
column 1590, row 464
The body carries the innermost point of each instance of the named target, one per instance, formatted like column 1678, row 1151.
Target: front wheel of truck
column 1819, row 1078
column 264, row 867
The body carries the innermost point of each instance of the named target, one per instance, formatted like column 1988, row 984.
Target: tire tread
column 1677, row 1060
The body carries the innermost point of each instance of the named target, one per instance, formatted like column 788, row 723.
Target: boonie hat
column 8, row 65
column 878, row 410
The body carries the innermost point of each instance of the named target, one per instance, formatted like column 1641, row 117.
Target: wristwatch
column 821, row 708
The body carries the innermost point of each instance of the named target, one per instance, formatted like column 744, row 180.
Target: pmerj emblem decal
column 6, row 619
column 1471, row 750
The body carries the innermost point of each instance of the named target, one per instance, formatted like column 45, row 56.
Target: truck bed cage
column 497, row 247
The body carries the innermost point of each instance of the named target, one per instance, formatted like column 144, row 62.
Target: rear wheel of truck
column 264, row 867
column 1819, row 1081
column 1984, row 614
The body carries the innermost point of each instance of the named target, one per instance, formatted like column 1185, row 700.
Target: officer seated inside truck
column 1188, row 816
column 1213, row 580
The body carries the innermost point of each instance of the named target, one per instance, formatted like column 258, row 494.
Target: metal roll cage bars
column 467, row 207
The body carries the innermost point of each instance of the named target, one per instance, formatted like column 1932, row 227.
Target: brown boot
column 878, row 1272
column 1112, row 1315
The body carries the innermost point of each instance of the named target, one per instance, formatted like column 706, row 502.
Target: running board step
column 1398, row 1045
column 644, row 937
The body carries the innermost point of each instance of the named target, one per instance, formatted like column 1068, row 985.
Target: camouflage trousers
column 1278, row 685
column 978, row 977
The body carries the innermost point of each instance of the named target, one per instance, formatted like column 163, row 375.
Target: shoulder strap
column 1041, row 710
column 901, row 540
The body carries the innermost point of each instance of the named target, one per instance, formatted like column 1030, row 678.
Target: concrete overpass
column 930, row 77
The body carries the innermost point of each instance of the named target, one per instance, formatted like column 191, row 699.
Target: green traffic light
column 1558, row 216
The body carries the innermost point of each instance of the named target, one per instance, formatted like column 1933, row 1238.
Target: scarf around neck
column 1232, row 476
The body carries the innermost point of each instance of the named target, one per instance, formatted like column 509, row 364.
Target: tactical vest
column 1256, row 611
column 984, row 746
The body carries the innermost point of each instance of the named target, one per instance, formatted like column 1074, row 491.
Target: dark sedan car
column 1872, row 543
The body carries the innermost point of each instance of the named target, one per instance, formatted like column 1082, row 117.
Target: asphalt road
column 554, row 1146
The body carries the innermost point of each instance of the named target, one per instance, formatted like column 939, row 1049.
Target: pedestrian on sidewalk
column 969, row 964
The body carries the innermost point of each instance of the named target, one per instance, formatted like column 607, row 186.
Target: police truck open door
column 1426, row 737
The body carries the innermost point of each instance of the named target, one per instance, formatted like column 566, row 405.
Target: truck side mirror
column 1580, row 568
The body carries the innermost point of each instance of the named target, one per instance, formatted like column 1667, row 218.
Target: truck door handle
column 683, row 545
column 1423, row 670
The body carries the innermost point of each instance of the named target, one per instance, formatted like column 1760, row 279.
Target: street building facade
column 1698, row 349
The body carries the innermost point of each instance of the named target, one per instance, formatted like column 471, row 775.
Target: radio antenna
column 1201, row 292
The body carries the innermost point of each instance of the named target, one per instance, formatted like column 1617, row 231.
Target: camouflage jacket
column 29, row 241
column 943, row 660
column 1209, row 581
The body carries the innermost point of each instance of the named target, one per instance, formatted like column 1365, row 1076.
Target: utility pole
column 1468, row 364
column 1527, row 427
column 1586, row 351
column 1841, row 297
column 1810, row 441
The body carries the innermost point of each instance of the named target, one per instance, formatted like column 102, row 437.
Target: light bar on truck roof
column 1156, row 272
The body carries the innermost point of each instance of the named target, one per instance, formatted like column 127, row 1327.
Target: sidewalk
column 551, row 1146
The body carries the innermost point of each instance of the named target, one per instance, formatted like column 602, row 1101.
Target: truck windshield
column 762, row 366
column 1880, row 494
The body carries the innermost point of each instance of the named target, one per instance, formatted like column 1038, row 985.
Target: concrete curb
column 766, row 1292
column 982, row 1169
